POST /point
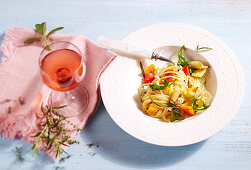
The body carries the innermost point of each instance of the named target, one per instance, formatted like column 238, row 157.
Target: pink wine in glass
column 62, row 69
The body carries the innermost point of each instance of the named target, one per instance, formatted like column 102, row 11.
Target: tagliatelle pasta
column 174, row 92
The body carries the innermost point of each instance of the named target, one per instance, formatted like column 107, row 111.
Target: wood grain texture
column 229, row 19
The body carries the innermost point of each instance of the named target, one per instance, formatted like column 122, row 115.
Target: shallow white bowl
column 120, row 82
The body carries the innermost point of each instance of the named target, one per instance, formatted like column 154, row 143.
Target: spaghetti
column 174, row 92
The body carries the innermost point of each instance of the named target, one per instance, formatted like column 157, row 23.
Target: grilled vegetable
column 197, row 65
column 199, row 73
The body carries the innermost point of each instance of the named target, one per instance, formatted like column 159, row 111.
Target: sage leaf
column 54, row 30
column 39, row 28
column 43, row 27
column 30, row 40
column 175, row 115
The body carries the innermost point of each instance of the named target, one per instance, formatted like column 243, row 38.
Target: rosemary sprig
column 21, row 100
column 90, row 144
column 203, row 48
column 19, row 154
column 53, row 132
column 5, row 101
column 59, row 167
column 9, row 109
column 64, row 158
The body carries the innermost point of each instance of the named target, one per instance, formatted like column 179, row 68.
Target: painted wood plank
column 228, row 19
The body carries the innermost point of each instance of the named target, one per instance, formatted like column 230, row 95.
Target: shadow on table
column 118, row 146
column 8, row 148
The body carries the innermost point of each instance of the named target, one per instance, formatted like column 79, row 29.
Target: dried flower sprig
column 5, row 101
column 53, row 132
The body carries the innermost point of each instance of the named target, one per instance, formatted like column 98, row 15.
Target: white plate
column 120, row 82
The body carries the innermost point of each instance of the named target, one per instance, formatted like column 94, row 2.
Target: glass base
column 76, row 100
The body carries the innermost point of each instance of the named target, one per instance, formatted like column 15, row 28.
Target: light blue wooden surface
column 229, row 19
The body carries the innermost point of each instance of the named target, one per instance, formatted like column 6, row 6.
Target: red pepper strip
column 170, row 79
column 148, row 78
column 186, row 70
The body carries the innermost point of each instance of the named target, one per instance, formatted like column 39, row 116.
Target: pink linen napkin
column 19, row 77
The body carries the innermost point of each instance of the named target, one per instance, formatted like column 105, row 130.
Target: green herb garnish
column 191, row 70
column 158, row 87
column 64, row 158
column 150, row 96
column 19, row 154
column 33, row 39
column 53, row 132
column 41, row 29
column 59, row 167
column 203, row 48
column 195, row 105
column 175, row 115
column 182, row 60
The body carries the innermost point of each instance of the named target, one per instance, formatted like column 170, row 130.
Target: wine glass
column 62, row 68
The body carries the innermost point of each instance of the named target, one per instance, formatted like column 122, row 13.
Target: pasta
column 174, row 92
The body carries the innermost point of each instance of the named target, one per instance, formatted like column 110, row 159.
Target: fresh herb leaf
column 64, row 158
column 150, row 96
column 59, row 107
column 59, row 167
column 19, row 154
column 54, row 30
column 175, row 115
column 203, row 48
column 195, row 105
column 33, row 39
column 159, row 87
column 39, row 28
column 53, row 131
column 43, row 25
column 191, row 70
column 182, row 60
